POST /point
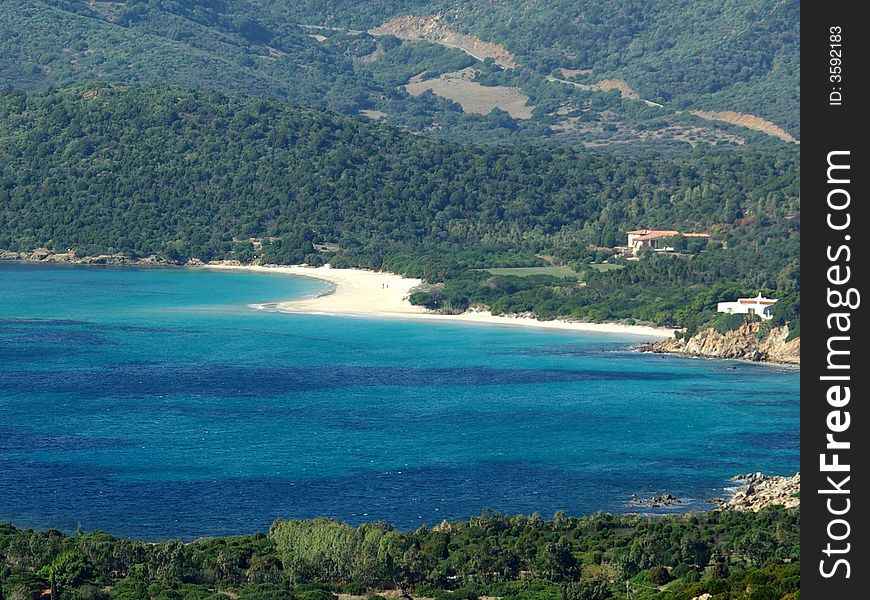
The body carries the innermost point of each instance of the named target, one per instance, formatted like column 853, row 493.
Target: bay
column 156, row 403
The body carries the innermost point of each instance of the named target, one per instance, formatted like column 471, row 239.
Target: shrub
column 355, row 589
column 317, row 595
column 265, row 591
column 465, row 593
column 588, row 589
column 720, row 571
column 727, row 322
column 659, row 575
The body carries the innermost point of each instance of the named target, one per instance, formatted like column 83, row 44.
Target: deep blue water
column 155, row 404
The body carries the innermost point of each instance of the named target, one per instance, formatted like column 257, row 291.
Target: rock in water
column 659, row 501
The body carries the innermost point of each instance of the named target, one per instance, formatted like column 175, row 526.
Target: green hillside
column 146, row 170
column 720, row 55
column 739, row 56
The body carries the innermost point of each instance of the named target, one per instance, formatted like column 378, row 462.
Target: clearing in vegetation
column 473, row 97
column 557, row 271
column 574, row 72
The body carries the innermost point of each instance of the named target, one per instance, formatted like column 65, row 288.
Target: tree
column 659, row 575
column 67, row 570
column 588, row 589
column 557, row 563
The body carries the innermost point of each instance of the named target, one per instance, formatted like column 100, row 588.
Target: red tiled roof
column 655, row 234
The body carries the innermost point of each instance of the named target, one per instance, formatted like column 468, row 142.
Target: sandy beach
column 369, row 293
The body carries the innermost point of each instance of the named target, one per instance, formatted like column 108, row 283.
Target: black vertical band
column 834, row 370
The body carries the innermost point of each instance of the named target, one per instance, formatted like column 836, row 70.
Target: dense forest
column 752, row 556
column 737, row 56
column 194, row 175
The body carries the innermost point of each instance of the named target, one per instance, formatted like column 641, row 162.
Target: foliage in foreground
column 733, row 555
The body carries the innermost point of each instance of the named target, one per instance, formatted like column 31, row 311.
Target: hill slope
column 737, row 56
column 258, row 167
column 186, row 174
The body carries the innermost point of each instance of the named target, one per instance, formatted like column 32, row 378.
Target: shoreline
column 362, row 293
column 358, row 292
column 741, row 493
column 642, row 348
column 751, row 492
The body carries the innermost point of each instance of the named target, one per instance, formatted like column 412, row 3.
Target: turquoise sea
column 156, row 403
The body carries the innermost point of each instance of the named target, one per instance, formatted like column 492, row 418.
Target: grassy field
column 560, row 271
column 605, row 267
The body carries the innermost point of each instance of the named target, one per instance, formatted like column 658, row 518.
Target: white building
column 652, row 239
column 749, row 306
column 647, row 238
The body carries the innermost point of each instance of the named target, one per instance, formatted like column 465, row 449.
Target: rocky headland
column 755, row 492
column 751, row 341
column 44, row 255
column 758, row 491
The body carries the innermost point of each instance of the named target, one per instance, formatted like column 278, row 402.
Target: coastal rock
column 155, row 260
column 443, row 527
column 40, row 254
column 108, row 259
column 50, row 256
column 61, row 257
column 9, row 255
column 758, row 491
column 750, row 341
column 659, row 501
column 225, row 263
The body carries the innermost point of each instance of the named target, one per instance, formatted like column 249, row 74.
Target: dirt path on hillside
column 748, row 121
column 605, row 85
